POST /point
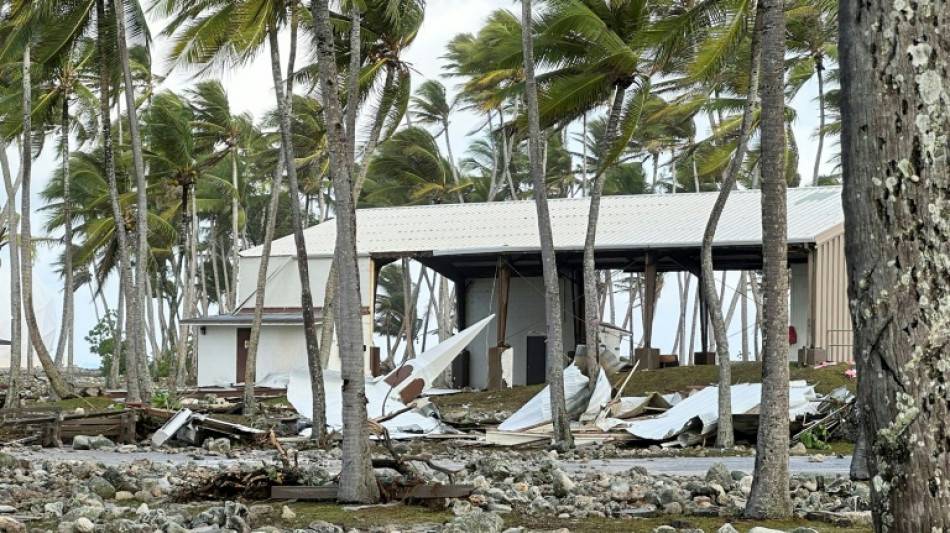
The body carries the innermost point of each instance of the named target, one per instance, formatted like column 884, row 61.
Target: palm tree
column 432, row 108
column 217, row 125
column 725, row 437
column 13, row 385
column 357, row 480
column 563, row 439
column 769, row 496
column 409, row 169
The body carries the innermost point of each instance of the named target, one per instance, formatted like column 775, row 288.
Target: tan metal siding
column 832, row 316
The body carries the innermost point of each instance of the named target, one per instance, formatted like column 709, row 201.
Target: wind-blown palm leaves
column 409, row 169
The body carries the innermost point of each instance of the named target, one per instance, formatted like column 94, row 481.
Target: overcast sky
column 250, row 89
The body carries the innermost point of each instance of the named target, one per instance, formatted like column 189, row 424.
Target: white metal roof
column 626, row 222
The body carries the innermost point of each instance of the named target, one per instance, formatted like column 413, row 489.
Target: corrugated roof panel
column 642, row 221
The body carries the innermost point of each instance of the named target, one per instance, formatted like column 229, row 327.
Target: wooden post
column 460, row 366
column 649, row 301
column 494, row 354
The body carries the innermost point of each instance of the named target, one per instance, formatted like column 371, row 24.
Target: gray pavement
column 679, row 466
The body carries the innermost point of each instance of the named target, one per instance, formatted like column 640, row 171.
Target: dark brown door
column 536, row 360
column 243, row 340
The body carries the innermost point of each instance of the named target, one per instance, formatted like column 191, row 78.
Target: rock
column 123, row 495
column 54, row 508
column 817, row 458
column 320, row 526
column 85, row 442
column 745, row 485
column 798, row 450
column 8, row 462
column 221, row 445
column 758, row 529
column 727, row 528
column 142, row 510
column 84, row 525
column 719, row 474
column 664, row 529
column 563, row 486
column 11, row 525
column 287, row 513
column 100, row 487
column 673, row 508
column 475, row 522
column 804, row 530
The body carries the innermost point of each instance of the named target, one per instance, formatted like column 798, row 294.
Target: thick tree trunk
column 66, row 331
column 725, row 437
column 895, row 87
column 563, row 440
column 16, row 303
column 58, row 385
column 357, row 480
column 117, row 336
column 769, row 497
column 303, row 264
column 138, row 351
column 859, row 461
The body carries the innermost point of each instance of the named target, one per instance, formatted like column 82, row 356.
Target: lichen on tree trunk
column 895, row 81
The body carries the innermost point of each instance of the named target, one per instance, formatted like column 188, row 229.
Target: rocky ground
column 515, row 490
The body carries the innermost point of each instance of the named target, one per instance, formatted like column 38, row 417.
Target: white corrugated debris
column 577, row 395
column 388, row 394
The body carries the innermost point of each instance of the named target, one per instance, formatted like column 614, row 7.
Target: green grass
column 488, row 401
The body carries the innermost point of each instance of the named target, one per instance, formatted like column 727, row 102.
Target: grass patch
column 366, row 518
column 680, row 378
column 645, row 525
column 665, row 380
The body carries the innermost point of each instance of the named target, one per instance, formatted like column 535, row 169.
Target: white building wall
column 526, row 317
column 281, row 349
column 798, row 307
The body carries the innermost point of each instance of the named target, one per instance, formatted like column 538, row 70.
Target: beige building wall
column 831, row 315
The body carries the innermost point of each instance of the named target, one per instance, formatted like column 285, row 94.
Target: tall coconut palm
column 16, row 313
column 357, row 481
column 216, row 124
column 563, row 439
column 769, row 496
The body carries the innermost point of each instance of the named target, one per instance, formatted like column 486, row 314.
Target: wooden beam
column 649, row 300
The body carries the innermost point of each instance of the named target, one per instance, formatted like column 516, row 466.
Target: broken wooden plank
column 324, row 493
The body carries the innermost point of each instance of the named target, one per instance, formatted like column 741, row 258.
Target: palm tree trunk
column 117, row 336
column 229, row 289
column 506, row 157
column 819, row 67
column 16, row 304
column 140, row 300
column 448, row 149
column 692, row 328
column 357, row 480
column 235, row 235
column 725, row 437
column 66, row 334
column 187, row 287
column 563, row 440
column 757, row 300
column 859, row 470
column 192, row 275
column 56, row 381
column 303, row 264
column 584, row 155
column 493, row 182
column 769, row 497
column 250, row 369
column 218, row 296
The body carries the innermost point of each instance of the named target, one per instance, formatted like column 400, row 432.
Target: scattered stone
column 100, row 487
column 84, row 525
column 85, row 442
column 817, row 458
column 664, row 529
column 11, row 525
column 54, row 508
column 475, row 522
column 758, row 529
column 123, row 495
column 719, row 474
column 563, row 486
column 221, row 445
column 320, row 526
column 287, row 513
column 804, row 530
column 8, row 462
column 727, row 528
column 798, row 450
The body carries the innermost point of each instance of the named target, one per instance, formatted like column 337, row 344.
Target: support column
column 460, row 366
column 648, row 356
column 494, row 353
